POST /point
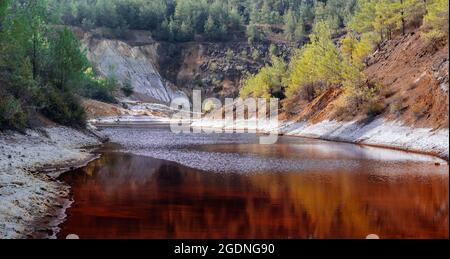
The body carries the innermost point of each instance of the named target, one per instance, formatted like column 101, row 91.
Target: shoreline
column 48, row 227
column 412, row 151
column 377, row 133
column 33, row 201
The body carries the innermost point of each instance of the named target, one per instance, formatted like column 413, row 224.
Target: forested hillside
column 43, row 68
column 296, row 50
column 327, row 63
column 182, row 20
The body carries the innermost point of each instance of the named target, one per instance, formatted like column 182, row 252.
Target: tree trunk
column 34, row 61
column 402, row 13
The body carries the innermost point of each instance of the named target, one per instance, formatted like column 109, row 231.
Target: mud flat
column 32, row 201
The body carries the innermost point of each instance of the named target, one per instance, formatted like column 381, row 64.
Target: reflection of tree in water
column 345, row 204
column 158, row 199
column 169, row 174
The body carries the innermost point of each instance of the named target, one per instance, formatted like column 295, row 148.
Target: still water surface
column 155, row 184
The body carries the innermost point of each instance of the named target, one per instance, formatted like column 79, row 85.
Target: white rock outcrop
column 135, row 65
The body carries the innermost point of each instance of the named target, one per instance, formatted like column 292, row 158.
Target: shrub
column 102, row 90
column 64, row 108
column 213, row 66
column 98, row 88
column 244, row 53
column 120, row 32
column 12, row 116
column 396, row 107
column 87, row 24
column 273, row 49
column 419, row 110
column 374, row 109
column 269, row 80
column 209, row 106
column 229, row 54
column 127, row 89
column 256, row 54
column 216, row 82
column 365, row 98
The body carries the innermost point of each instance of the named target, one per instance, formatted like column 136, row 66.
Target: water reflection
column 241, row 153
column 129, row 196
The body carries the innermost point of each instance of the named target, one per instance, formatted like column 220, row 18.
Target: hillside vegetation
column 183, row 20
column 43, row 68
column 339, row 64
column 296, row 50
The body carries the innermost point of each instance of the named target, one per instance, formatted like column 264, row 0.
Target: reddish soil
column 315, row 111
column 95, row 109
column 412, row 72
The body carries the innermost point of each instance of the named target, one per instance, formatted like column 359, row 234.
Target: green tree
column 213, row 30
column 34, row 13
column 317, row 66
column 293, row 27
column 67, row 61
column 386, row 16
column 356, row 50
column 436, row 19
column 185, row 33
column 65, row 67
column 363, row 20
column 17, row 87
column 267, row 82
column 234, row 18
column 254, row 34
column 3, row 7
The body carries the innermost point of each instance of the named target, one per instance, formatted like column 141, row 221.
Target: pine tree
column 316, row 66
column 356, row 50
column 362, row 49
column 186, row 32
column 235, row 18
column 363, row 20
column 436, row 19
column 67, row 60
column 410, row 10
column 17, row 88
column 4, row 4
column 270, row 79
column 293, row 27
column 35, row 12
column 213, row 30
column 349, row 43
column 253, row 34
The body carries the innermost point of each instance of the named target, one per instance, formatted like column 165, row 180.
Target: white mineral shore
column 379, row 132
column 26, row 196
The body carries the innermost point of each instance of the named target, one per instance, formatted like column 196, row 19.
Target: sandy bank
column 30, row 200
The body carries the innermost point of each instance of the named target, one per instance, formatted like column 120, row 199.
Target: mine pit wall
column 162, row 71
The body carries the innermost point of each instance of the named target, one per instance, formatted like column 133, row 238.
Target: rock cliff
column 134, row 65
